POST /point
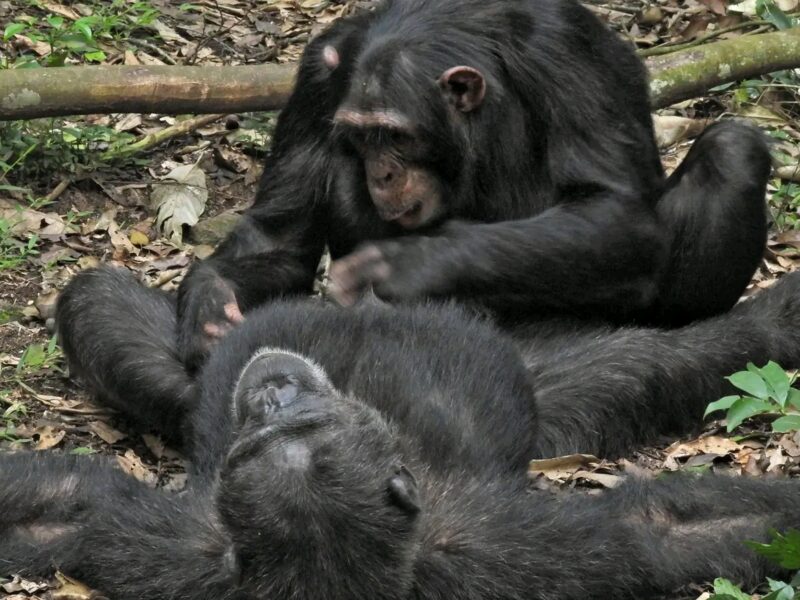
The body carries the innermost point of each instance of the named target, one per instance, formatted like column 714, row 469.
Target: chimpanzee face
column 313, row 484
column 400, row 122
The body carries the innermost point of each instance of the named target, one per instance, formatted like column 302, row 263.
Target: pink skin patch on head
column 330, row 56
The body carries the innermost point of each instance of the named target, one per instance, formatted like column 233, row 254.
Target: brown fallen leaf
column 561, row 468
column 71, row 589
column 105, row 432
column 713, row 444
column 605, row 479
column 49, row 437
column 134, row 466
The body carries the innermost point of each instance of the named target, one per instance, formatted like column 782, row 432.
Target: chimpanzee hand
column 207, row 310
column 401, row 269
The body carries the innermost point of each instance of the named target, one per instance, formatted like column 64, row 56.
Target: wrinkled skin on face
column 301, row 453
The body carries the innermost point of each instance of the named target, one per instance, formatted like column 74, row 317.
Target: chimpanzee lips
column 406, row 212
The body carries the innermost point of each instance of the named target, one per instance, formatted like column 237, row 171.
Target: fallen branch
column 689, row 73
column 32, row 93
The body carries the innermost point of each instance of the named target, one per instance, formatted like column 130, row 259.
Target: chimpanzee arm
column 276, row 247
column 91, row 521
column 639, row 540
column 593, row 254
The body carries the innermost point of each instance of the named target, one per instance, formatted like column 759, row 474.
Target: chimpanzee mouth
column 252, row 443
column 405, row 216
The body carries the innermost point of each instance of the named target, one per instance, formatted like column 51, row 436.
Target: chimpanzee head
column 313, row 491
column 407, row 116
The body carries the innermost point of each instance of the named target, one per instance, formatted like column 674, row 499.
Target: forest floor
column 64, row 208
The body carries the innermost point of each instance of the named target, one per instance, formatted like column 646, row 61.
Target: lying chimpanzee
column 496, row 151
column 379, row 453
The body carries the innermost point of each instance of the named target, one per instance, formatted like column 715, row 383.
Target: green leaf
column 750, row 382
column 55, row 21
column 96, row 56
column 82, row 450
column 795, row 580
column 784, row 550
column 786, row 424
column 774, row 584
column 744, row 408
column 721, row 404
column 723, row 588
column 13, row 29
column 33, row 356
column 767, row 10
column 786, row 592
column 794, row 398
column 83, row 27
column 777, row 379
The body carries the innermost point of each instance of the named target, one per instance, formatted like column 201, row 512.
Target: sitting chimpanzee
column 379, row 453
column 497, row 151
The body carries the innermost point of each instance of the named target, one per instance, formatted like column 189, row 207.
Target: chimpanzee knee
column 714, row 211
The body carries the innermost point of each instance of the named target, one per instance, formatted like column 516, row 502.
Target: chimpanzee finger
column 351, row 274
column 233, row 313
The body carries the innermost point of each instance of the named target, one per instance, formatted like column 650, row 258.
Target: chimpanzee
column 497, row 151
column 379, row 452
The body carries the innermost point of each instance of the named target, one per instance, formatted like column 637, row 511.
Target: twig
column 154, row 139
column 152, row 48
column 674, row 47
column 58, row 190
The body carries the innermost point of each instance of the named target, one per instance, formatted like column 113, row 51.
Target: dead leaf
column 105, row 432
column 154, row 444
column 605, row 479
column 713, row 444
column 71, row 589
column 134, row 466
column 180, row 200
column 49, row 437
column 718, row 7
column 671, row 130
column 560, row 467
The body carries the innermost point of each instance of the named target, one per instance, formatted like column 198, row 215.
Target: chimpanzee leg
column 714, row 212
column 603, row 390
column 646, row 538
column 119, row 336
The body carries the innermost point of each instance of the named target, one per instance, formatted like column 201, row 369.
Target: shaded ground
column 63, row 208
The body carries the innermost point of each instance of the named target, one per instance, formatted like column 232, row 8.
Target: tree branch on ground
column 33, row 93
column 689, row 73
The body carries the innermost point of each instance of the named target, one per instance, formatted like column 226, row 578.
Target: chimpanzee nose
column 383, row 173
column 277, row 381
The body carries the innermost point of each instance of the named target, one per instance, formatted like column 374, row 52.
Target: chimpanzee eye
column 357, row 140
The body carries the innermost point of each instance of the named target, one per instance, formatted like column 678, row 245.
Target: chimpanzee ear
column 465, row 87
column 403, row 491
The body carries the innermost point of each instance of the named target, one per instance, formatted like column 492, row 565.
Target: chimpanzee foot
column 777, row 309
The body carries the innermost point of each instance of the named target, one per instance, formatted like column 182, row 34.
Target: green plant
column 769, row 11
column 768, row 390
column 8, row 427
column 38, row 357
column 81, row 39
column 14, row 252
column 783, row 550
column 30, row 150
column 785, row 204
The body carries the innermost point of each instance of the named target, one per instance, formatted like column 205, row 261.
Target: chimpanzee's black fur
column 553, row 197
column 379, row 453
